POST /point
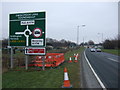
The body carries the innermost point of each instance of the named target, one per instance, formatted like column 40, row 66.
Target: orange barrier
column 66, row 80
column 51, row 60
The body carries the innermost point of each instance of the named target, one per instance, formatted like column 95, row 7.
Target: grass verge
column 50, row 78
column 112, row 51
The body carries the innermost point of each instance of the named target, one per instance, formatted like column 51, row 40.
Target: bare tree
column 90, row 42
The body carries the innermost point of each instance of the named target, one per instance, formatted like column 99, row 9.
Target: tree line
column 49, row 42
column 112, row 43
column 107, row 44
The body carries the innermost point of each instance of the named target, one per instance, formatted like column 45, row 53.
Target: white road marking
column 100, row 82
column 112, row 59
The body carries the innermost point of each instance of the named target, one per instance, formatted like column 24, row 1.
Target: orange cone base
column 67, row 84
column 75, row 60
column 70, row 61
column 67, row 87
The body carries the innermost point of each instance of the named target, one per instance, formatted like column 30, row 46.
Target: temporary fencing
column 51, row 60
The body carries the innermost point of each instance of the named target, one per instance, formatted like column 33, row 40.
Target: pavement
column 105, row 67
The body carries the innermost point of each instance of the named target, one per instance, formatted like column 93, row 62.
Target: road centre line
column 100, row 82
column 113, row 60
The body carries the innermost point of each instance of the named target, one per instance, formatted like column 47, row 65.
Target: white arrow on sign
column 27, row 36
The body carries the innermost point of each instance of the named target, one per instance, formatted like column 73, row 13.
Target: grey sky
column 63, row 19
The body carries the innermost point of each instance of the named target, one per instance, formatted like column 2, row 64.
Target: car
column 92, row 50
column 95, row 47
column 98, row 50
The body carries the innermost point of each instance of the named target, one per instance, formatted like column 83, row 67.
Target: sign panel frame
column 21, row 27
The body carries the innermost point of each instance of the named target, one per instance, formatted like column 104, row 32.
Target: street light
column 78, row 33
column 83, row 36
column 101, row 36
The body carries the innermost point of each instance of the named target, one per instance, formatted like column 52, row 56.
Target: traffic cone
column 77, row 55
column 66, row 80
column 74, row 54
column 70, row 60
column 76, row 59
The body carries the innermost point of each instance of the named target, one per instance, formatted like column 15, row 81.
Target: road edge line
column 100, row 82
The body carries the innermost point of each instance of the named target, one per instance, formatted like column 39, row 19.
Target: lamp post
column 78, row 33
column 83, row 36
column 101, row 36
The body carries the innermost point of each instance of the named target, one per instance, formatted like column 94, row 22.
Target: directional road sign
column 27, row 29
column 35, row 51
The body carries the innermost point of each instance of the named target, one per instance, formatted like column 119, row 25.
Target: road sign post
column 43, row 59
column 26, row 62
column 11, row 59
column 27, row 30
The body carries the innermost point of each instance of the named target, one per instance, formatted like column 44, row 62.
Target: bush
column 108, row 44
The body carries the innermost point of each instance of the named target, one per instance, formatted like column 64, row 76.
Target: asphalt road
column 106, row 67
column 88, row 79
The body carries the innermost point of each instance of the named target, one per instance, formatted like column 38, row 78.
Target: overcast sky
column 63, row 19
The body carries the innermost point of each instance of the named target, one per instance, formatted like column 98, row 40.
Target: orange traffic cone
column 76, row 59
column 77, row 55
column 74, row 54
column 66, row 80
column 70, row 60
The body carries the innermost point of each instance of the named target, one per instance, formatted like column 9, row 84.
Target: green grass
column 50, row 78
column 112, row 51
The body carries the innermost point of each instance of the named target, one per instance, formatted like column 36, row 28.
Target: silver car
column 98, row 50
column 92, row 50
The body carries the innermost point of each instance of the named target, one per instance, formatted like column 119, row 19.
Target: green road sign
column 27, row 29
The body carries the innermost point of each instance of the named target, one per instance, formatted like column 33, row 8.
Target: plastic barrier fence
column 51, row 60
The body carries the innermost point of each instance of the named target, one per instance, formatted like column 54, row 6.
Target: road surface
column 105, row 66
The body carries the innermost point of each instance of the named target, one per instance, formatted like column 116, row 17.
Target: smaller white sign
column 28, row 22
column 35, row 51
column 36, row 42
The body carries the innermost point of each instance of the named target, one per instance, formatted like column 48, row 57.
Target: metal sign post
column 43, row 59
column 11, row 58
column 26, row 62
